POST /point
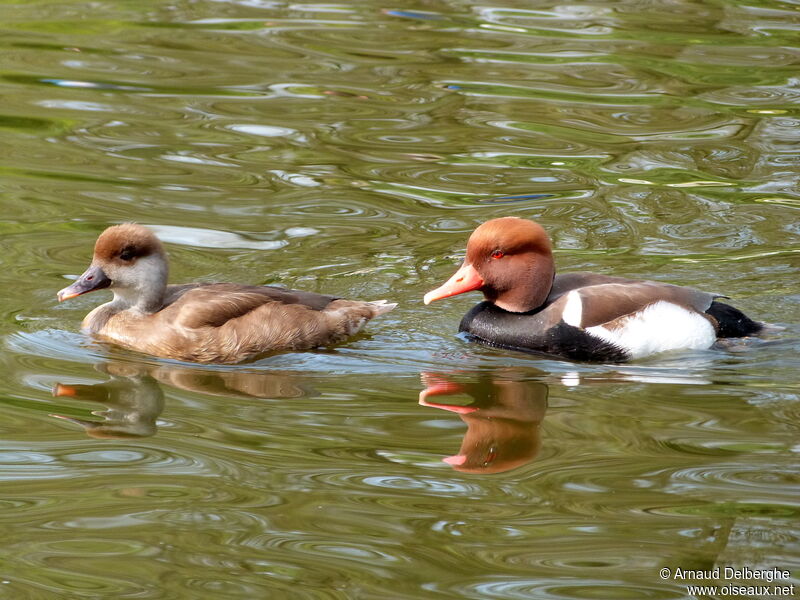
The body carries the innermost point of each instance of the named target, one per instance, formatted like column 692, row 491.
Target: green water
column 350, row 148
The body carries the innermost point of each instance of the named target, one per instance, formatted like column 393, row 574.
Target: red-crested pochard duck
column 580, row 316
column 203, row 322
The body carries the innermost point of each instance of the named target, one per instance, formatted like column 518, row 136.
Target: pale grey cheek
column 119, row 278
column 145, row 273
column 123, row 277
column 113, row 276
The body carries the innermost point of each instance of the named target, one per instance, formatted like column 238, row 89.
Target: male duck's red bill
column 580, row 316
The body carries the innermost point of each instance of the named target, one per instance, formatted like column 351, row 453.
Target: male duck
column 580, row 316
column 203, row 322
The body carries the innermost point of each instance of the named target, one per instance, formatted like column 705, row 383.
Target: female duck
column 203, row 322
column 580, row 316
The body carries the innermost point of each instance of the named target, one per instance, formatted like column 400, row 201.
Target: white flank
column 573, row 309
column 571, row 379
column 659, row 327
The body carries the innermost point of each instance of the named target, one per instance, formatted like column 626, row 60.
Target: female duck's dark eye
column 127, row 254
column 498, row 254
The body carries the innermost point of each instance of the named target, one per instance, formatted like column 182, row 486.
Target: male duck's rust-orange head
column 129, row 259
column 510, row 260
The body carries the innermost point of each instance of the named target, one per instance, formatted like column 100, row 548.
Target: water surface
column 350, row 148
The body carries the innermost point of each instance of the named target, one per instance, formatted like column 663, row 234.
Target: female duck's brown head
column 510, row 260
column 130, row 260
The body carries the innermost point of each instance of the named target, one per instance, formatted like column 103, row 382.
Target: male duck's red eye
column 498, row 254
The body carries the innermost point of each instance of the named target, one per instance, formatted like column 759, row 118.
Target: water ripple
column 349, row 149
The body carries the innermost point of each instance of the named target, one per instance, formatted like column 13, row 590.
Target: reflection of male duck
column 134, row 399
column 502, row 421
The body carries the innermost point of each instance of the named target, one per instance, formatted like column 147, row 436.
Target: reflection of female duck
column 231, row 383
column 134, row 398
column 502, row 421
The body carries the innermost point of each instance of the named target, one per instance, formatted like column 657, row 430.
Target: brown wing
column 567, row 282
column 213, row 305
column 609, row 301
column 229, row 323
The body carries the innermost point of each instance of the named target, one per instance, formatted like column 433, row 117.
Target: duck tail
column 732, row 322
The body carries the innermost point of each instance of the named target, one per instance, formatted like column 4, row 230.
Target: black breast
column 534, row 332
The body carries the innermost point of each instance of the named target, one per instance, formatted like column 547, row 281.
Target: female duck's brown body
column 204, row 322
column 581, row 316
